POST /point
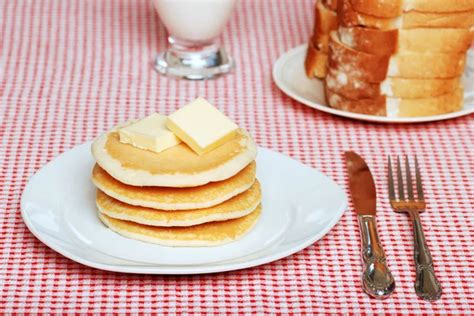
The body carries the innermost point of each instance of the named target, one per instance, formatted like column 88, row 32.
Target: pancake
column 165, row 198
column 235, row 207
column 178, row 166
column 209, row 234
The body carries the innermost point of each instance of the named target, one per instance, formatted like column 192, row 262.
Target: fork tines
column 400, row 182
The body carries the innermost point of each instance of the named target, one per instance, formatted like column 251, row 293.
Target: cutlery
column 377, row 280
column 427, row 285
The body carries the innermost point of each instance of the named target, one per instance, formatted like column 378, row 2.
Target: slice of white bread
column 375, row 68
column 426, row 65
column 438, row 5
column 353, row 88
column 348, row 17
column 414, row 19
column 394, row 8
column 398, row 107
column 387, row 42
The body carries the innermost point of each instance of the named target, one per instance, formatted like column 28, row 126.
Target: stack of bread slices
column 396, row 58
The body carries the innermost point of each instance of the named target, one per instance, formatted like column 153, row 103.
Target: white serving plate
column 289, row 75
column 300, row 205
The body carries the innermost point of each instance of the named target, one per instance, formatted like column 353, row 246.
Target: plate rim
column 149, row 268
column 278, row 69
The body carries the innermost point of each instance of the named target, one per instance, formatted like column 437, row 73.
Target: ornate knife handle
column 377, row 280
column 427, row 285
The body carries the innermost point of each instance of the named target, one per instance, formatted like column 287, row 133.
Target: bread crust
column 320, row 42
column 372, row 41
column 315, row 62
column 374, row 106
column 349, row 17
column 356, row 64
column 331, row 4
column 325, row 21
column 351, row 88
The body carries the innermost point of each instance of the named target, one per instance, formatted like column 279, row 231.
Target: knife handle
column 377, row 280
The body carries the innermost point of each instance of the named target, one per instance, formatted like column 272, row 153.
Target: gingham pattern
column 72, row 69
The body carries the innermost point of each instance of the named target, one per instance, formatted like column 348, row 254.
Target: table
column 72, row 69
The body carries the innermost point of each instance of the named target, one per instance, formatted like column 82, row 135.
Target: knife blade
column 361, row 184
column 377, row 280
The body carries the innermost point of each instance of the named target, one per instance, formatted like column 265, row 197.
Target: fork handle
column 427, row 285
column 377, row 280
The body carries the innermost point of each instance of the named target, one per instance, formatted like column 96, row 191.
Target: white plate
column 289, row 75
column 300, row 205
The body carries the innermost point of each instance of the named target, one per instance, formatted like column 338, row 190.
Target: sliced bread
column 387, row 42
column 375, row 68
column 349, row 17
column 394, row 8
column 352, row 88
column 398, row 107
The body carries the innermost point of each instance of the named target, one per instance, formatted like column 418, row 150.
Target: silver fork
column 426, row 285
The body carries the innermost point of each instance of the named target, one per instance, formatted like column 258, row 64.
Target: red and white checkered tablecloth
column 72, row 69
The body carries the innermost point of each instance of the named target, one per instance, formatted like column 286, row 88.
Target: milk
column 194, row 20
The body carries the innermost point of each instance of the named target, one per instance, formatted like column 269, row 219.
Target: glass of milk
column 193, row 28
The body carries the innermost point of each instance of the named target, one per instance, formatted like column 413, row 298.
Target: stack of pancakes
column 176, row 197
column 396, row 58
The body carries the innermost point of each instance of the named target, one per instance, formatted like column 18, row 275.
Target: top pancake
column 178, row 166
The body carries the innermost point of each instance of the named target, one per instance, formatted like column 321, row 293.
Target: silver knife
column 377, row 280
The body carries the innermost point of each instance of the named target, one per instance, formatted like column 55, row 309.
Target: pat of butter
column 201, row 126
column 149, row 133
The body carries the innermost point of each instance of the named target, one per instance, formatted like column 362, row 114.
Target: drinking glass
column 193, row 28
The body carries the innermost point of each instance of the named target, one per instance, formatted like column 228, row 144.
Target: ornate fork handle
column 427, row 285
column 377, row 280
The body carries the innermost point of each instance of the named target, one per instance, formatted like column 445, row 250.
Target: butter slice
column 149, row 133
column 201, row 126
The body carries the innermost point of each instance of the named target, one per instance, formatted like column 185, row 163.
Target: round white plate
column 289, row 75
column 300, row 205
